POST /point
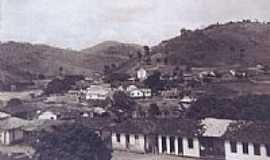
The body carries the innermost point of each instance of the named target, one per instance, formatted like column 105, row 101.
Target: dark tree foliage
column 158, row 60
column 121, row 77
column 56, row 86
column 166, row 61
column 70, row 142
column 250, row 107
column 146, row 50
column 61, row 85
column 41, row 76
column 123, row 102
column 113, row 66
column 154, row 110
column 154, row 82
column 107, row 69
column 123, row 106
column 139, row 54
column 14, row 102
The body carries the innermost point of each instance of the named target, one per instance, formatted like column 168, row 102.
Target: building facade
column 207, row 138
column 142, row 74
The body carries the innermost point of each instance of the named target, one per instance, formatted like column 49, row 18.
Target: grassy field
column 24, row 95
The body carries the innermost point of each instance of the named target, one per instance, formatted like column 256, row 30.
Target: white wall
column 135, row 145
column 118, row 145
column 239, row 155
column 191, row 152
column 47, row 116
column 188, row 152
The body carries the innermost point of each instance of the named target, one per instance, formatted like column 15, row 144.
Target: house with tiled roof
column 207, row 138
column 11, row 130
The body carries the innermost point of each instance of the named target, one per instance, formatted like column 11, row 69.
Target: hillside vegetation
column 234, row 43
column 20, row 61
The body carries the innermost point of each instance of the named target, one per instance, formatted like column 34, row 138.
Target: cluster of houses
column 205, row 138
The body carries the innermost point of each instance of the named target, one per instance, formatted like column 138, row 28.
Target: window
column 233, row 147
column 172, row 147
column 136, row 137
column 245, row 148
column 190, row 143
column 267, row 147
column 257, row 150
column 127, row 138
column 118, row 137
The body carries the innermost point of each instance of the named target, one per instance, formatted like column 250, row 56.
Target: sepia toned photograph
column 134, row 80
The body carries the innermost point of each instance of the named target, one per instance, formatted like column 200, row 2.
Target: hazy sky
column 82, row 23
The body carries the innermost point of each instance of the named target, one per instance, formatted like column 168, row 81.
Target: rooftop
column 12, row 123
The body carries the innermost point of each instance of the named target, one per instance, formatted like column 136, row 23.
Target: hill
column 235, row 43
column 21, row 61
column 24, row 61
column 110, row 53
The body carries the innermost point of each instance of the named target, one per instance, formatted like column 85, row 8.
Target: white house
column 98, row 92
column 142, row 74
column 186, row 101
column 11, row 130
column 48, row 115
column 140, row 93
column 131, row 88
column 157, row 136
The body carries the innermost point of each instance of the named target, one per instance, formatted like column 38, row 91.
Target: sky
column 78, row 24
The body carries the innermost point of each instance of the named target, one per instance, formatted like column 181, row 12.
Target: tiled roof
column 184, row 127
column 12, row 123
column 215, row 127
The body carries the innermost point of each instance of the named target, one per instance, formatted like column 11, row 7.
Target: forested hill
column 233, row 43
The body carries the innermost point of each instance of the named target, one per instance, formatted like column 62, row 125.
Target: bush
column 14, row 102
column 70, row 142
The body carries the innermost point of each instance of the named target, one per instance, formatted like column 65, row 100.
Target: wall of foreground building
column 136, row 142
column 240, row 155
column 165, row 146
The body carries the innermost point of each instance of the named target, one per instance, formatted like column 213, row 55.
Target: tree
column 113, row 66
column 154, row 110
column 14, row 102
column 70, row 142
column 166, row 61
column 146, row 50
column 123, row 102
column 148, row 61
column 154, row 82
column 107, row 69
column 41, row 76
column 123, row 106
column 158, row 60
column 139, row 54
column 61, row 69
column 117, row 77
column 58, row 86
column 250, row 107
